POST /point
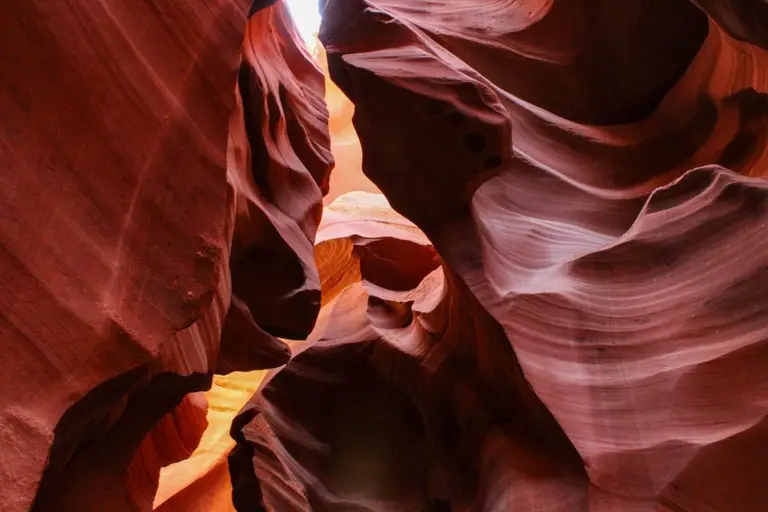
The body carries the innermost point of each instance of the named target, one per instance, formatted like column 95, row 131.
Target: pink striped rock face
column 560, row 301
column 593, row 177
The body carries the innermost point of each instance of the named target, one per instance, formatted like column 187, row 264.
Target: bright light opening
column 306, row 16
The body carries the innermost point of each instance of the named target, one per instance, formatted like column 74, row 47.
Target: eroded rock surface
column 133, row 173
column 112, row 255
column 566, row 309
column 593, row 177
column 596, row 178
column 407, row 396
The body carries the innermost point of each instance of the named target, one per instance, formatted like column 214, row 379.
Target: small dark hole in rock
column 474, row 142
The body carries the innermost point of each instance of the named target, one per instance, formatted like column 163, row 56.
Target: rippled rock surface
column 592, row 176
column 560, row 301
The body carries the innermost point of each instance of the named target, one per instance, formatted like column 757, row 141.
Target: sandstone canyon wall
column 565, row 307
column 593, row 176
column 163, row 168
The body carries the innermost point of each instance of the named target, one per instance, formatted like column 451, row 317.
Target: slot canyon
column 443, row 256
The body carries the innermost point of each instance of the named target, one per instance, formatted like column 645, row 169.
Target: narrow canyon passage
column 430, row 256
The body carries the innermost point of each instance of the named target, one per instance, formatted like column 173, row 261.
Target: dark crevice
column 90, row 454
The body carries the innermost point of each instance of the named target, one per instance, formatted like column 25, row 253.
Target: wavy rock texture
column 201, row 482
column 594, row 173
column 591, row 337
column 173, row 438
column 280, row 147
column 407, row 395
column 125, row 203
column 279, row 165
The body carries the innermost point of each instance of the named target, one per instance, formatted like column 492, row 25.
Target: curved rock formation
column 347, row 174
column 133, row 182
column 175, row 437
column 585, row 201
column 566, row 310
column 743, row 19
column 112, row 259
column 406, row 396
column 201, row 482
column 593, row 173
column 278, row 168
column 280, row 147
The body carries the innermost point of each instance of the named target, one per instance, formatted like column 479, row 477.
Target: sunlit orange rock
column 175, row 437
column 201, row 482
column 279, row 165
column 406, row 396
column 347, row 174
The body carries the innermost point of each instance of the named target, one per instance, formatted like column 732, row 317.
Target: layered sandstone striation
column 560, row 301
column 404, row 385
column 592, row 175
